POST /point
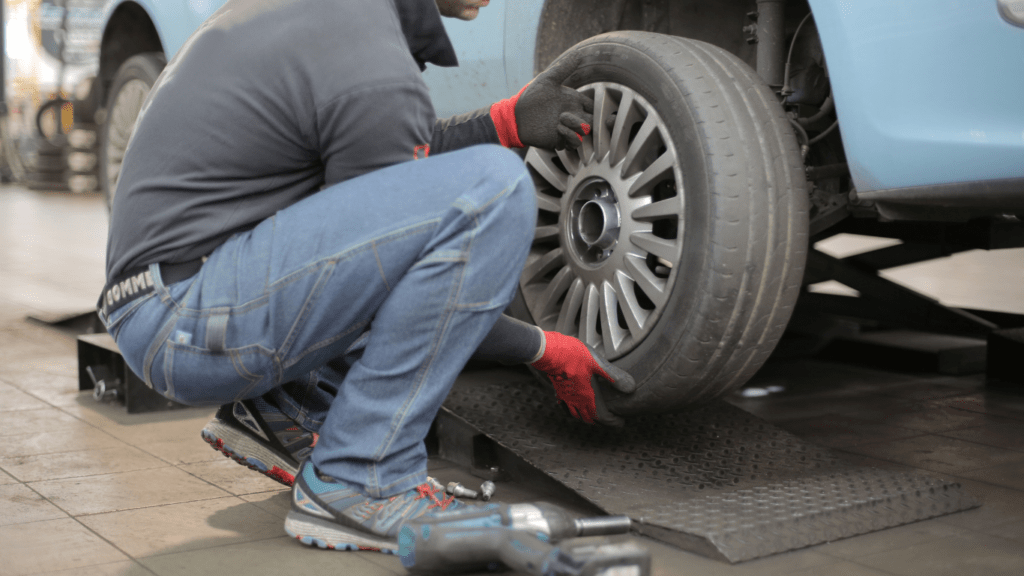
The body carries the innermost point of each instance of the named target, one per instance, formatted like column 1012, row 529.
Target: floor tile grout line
column 138, row 564
column 811, row 440
column 137, row 447
column 41, row 480
column 944, row 435
column 82, row 524
column 149, row 506
column 925, row 542
column 115, row 437
column 936, row 434
column 898, row 548
column 215, row 485
column 76, row 449
column 204, row 548
column 100, row 429
column 963, row 479
column 876, row 569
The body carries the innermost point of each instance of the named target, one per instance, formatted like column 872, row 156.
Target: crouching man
column 297, row 238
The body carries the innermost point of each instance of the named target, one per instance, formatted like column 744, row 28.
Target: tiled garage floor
column 87, row 489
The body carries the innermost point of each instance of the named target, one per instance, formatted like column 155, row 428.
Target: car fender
column 926, row 93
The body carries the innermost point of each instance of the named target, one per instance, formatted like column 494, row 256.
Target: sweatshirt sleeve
column 476, row 127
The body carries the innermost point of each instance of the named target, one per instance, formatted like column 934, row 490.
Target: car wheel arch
column 564, row 23
column 129, row 31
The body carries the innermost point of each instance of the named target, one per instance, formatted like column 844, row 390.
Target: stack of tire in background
column 63, row 155
column 83, row 158
column 45, row 163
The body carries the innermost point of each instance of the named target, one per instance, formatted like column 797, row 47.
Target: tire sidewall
column 146, row 67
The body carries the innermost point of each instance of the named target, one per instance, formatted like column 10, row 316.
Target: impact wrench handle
column 471, row 538
column 478, row 550
column 526, row 553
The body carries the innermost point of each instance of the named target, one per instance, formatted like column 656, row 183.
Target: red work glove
column 577, row 374
column 545, row 113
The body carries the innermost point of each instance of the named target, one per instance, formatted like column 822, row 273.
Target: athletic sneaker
column 332, row 515
column 258, row 435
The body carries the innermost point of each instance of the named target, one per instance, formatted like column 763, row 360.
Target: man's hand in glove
column 545, row 113
column 579, row 375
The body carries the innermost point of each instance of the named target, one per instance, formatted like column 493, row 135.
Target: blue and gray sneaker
column 332, row 515
column 258, row 435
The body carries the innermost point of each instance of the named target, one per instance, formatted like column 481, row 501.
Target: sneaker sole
column 313, row 531
column 247, row 452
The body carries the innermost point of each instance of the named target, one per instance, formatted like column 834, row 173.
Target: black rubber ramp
column 713, row 480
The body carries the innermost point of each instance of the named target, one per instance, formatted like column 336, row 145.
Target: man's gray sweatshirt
column 267, row 103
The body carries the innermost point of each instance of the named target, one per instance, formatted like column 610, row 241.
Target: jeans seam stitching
column 298, row 357
column 154, row 348
column 380, row 267
column 305, row 310
column 297, row 275
column 168, row 371
column 131, row 308
column 453, row 296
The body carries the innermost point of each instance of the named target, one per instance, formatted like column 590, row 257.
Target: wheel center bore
column 599, row 223
column 594, row 221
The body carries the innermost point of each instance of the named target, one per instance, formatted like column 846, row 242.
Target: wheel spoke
column 657, row 210
column 602, row 108
column 655, row 288
column 570, row 307
column 613, row 334
column 586, row 150
column 570, row 159
column 639, row 144
column 545, row 233
column 636, row 316
column 547, row 203
column 652, row 174
column 590, row 316
column 541, row 162
column 620, row 132
column 537, row 267
column 660, row 247
column 547, row 303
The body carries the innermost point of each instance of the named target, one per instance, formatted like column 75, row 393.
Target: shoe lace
column 425, row 490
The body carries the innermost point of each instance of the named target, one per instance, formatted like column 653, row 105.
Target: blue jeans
column 353, row 309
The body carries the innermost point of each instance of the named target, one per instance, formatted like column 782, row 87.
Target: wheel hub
column 594, row 222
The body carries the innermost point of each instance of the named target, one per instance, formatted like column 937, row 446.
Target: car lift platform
column 713, row 480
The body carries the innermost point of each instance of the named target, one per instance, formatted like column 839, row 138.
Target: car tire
column 674, row 240
column 131, row 86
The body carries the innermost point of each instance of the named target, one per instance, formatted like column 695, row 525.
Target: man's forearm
column 464, row 130
column 511, row 341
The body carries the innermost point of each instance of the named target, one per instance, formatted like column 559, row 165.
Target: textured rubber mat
column 713, row 480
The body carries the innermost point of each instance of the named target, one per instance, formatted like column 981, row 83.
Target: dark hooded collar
column 425, row 33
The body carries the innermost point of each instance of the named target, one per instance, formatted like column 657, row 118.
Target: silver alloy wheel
column 121, row 120
column 609, row 228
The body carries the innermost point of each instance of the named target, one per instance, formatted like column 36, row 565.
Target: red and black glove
column 545, row 113
column 578, row 376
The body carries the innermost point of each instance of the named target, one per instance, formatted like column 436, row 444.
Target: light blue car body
column 926, row 92
column 174, row 20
